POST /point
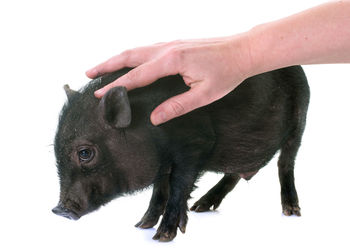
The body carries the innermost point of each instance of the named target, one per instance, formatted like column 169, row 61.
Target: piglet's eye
column 85, row 155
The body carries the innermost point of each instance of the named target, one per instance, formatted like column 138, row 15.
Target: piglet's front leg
column 157, row 204
column 186, row 149
column 175, row 215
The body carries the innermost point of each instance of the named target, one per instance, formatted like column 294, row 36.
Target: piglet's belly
column 243, row 161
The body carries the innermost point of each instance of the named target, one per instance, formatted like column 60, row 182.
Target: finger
column 126, row 59
column 112, row 64
column 142, row 75
column 180, row 105
column 129, row 58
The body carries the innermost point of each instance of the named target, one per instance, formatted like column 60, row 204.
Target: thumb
column 179, row 105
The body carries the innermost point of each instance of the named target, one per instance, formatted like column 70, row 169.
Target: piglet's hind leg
column 214, row 196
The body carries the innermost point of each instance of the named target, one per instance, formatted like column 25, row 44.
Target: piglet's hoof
column 146, row 223
column 165, row 236
column 205, row 203
column 150, row 219
column 289, row 210
column 167, row 230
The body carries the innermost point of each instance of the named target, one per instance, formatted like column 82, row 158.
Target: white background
column 46, row 44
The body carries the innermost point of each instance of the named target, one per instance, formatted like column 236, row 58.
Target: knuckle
column 175, row 56
column 174, row 52
column 208, row 95
column 173, row 43
column 176, row 108
column 133, row 75
column 130, row 76
column 206, row 92
column 126, row 55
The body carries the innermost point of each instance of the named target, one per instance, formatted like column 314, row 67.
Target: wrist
column 242, row 55
column 259, row 43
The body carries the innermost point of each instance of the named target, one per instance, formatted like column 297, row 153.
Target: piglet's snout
column 65, row 212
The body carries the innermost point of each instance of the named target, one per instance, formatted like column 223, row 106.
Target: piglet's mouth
column 65, row 212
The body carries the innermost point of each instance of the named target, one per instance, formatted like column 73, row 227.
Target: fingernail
column 159, row 118
column 92, row 72
column 98, row 93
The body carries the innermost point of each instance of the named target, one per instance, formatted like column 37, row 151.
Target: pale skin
column 214, row 67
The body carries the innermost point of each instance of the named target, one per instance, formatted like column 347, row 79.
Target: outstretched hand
column 210, row 67
column 214, row 67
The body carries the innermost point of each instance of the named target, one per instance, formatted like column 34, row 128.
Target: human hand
column 210, row 67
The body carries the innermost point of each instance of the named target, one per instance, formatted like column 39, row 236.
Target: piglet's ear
column 115, row 107
column 69, row 92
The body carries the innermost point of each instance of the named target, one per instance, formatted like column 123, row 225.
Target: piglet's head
column 89, row 147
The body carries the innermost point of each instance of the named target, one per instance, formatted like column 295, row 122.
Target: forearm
column 315, row 36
